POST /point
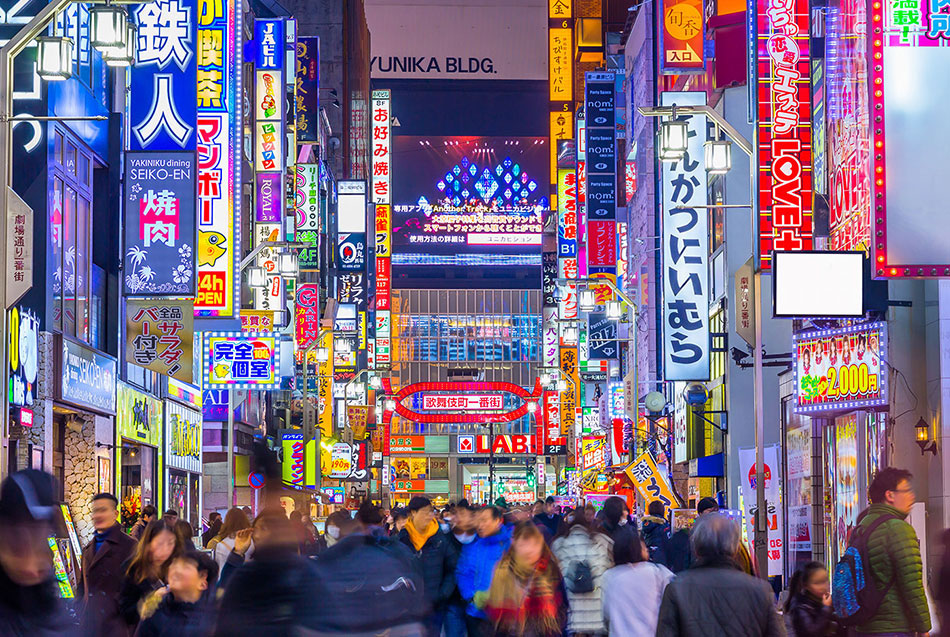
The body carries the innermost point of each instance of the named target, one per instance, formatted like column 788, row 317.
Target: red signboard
column 307, row 312
column 601, row 242
column 784, row 128
column 383, row 281
column 466, row 402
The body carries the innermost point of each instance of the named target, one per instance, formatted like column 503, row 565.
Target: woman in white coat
column 633, row 590
column 585, row 555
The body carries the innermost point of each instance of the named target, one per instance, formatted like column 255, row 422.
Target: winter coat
column 894, row 555
column 621, row 534
column 179, row 619
column 101, row 582
column 715, row 599
column 586, row 609
column 679, row 555
column 632, row 596
column 476, row 565
column 131, row 594
column 271, row 594
column 437, row 560
column 35, row 611
column 655, row 533
column 550, row 522
column 810, row 618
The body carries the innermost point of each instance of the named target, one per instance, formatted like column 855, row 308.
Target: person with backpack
column 808, row 606
column 714, row 597
column 655, row 532
column 436, row 556
column 633, row 589
column 892, row 600
column 584, row 555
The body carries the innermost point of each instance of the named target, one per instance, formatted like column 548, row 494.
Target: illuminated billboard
column 468, row 201
column 840, row 369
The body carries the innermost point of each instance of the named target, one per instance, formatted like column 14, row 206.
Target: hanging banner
column 357, row 416
column 19, row 248
column 164, row 80
column 219, row 137
column 686, row 252
column 771, row 472
column 571, row 398
column 241, row 360
column 257, row 321
column 650, row 483
column 160, row 190
column 784, row 128
column 160, row 336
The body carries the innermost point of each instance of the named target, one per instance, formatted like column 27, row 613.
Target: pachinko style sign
column 160, row 336
column 784, row 128
column 160, row 223
column 219, row 137
column 841, row 368
column 242, row 360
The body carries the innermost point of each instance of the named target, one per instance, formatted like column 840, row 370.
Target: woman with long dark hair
column 809, row 602
column 527, row 596
column 235, row 520
column 147, row 569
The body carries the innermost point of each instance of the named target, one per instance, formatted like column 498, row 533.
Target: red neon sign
column 784, row 140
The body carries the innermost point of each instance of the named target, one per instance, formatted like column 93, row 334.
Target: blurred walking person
column 633, row 589
column 548, row 517
column 185, row 608
column 186, row 534
column 616, row 523
column 147, row 515
column 527, row 594
column 655, row 532
column 103, row 568
column 235, row 520
column 29, row 600
column 808, row 606
column 461, row 533
column 214, row 527
column 147, row 569
column 476, row 565
column 679, row 555
column 436, row 556
column 584, row 555
column 714, row 597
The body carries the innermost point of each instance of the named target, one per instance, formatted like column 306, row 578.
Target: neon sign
column 464, row 402
column 840, row 369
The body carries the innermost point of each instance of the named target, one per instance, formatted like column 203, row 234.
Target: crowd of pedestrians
column 463, row 571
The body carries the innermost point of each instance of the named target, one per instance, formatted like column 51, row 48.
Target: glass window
column 56, row 238
column 69, row 262
column 70, row 158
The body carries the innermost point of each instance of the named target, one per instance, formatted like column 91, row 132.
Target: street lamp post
column 748, row 147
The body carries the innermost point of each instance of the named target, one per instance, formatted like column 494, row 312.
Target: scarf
column 525, row 600
column 419, row 539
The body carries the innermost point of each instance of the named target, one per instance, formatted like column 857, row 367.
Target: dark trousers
column 478, row 627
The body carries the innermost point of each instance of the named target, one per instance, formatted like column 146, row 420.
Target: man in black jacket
column 102, row 572
column 436, row 556
column 187, row 608
column 548, row 518
column 714, row 597
column 655, row 532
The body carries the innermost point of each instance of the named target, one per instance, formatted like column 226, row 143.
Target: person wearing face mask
column 436, row 556
column 29, row 603
column 615, row 522
column 461, row 534
column 336, row 521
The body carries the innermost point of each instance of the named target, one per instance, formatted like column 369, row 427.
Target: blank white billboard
column 818, row 284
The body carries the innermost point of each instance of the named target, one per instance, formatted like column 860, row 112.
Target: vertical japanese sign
column 382, row 147
column 549, row 338
column 163, row 80
column 269, row 155
column 774, row 513
column 219, row 137
column 601, row 166
column 159, row 223
column 19, row 248
column 567, row 229
column 683, row 35
column 560, row 78
column 382, row 197
column 307, row 310
column 570, row 399
column 307, row 214
column 686, row 251
column 238, row 360
column 307, row 87
column 648, row 480
column 160, row 336
column 784, row 128
column 325, row 387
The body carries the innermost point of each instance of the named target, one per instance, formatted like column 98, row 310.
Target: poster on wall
column 241, row 360
column 840, row 368
column 846, row 478
column 773, row 502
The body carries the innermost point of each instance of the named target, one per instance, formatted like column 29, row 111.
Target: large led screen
column 468, row 201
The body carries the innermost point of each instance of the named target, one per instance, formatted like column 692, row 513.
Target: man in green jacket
column 894, row 558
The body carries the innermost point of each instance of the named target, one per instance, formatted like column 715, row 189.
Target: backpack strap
column 873, row 527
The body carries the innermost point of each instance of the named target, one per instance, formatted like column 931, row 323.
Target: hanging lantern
column 108, row 27
column 54, row 58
